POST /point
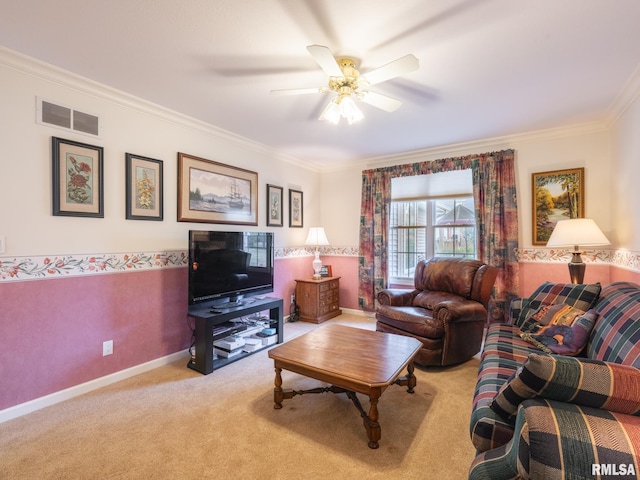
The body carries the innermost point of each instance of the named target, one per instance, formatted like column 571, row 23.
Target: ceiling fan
column 347, row 82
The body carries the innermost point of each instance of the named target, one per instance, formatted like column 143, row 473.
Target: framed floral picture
column 557, row 195
column 212, row 192
column 295, row 208
column 78, row 179
column 144, row 196
column 274, row 206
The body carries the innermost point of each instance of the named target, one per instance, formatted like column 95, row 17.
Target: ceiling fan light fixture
column 346, row 82
column 342, row 106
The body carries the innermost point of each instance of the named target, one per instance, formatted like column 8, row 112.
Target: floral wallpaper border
column 287, row 252
column 618, row 258
column 56, row 266
column 59, row 266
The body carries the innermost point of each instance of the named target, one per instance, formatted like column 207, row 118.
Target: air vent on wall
column 48, row 113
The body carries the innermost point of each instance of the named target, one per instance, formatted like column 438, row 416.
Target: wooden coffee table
column 351, row 360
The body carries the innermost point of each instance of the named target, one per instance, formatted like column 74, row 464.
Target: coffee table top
column 354, row 355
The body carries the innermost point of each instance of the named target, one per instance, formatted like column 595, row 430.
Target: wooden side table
column 318, row 300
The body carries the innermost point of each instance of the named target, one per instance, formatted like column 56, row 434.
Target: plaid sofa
column 540, row 415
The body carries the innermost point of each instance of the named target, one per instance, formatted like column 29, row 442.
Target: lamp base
column 577, row 268
column 317, row 265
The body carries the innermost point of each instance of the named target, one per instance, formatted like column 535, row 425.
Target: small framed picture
column 325, row 271
column 144, row 197
column 557, row 195
column 78, row 179
column 295, row 208
column 274, row 206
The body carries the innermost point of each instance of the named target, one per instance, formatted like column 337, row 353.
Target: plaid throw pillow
column 560, row 329
column 582, row 296
column 590, row 383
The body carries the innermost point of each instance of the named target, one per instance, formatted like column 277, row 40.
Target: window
column 431, row 215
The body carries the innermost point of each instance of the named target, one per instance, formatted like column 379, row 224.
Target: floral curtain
column 494, row 192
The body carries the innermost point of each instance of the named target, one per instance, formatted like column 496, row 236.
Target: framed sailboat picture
column 212, row 192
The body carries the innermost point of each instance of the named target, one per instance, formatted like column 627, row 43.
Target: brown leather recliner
column 447, row 311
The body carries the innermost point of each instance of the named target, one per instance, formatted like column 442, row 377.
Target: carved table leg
column 371, row 424
column 277, row 391
column 370, row 421
column 409, row 380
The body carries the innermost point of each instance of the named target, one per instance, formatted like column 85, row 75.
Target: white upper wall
column 587, row 147
column 129, row 126
column 331, row 198
column 625, row 172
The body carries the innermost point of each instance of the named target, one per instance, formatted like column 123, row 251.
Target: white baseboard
column 57, row 397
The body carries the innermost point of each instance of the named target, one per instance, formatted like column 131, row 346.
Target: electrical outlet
column 3, row 244
column 293, row 298
column 107, row 348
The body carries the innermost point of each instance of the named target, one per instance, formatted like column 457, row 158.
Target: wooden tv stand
column 205, row 320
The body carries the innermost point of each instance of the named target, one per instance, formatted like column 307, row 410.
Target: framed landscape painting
column 557, row 195
column 144, row 197
column 78, row 179
column 212, row 192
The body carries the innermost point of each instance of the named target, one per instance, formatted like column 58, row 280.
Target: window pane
column 458, row 211
column 455, row 241
column 411, row 213
column 421, row 229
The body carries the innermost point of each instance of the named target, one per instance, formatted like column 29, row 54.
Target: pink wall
column 52, row 330
column 287, row 270
column 533, row 274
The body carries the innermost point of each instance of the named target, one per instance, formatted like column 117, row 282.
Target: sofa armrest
column 591, row 383
column 396, row 297
column 556, row 440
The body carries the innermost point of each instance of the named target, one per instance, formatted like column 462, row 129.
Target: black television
column 225, row 267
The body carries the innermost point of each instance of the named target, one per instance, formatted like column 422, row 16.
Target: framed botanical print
column 557, row 195
column 274, row 206
column 295, row 208
column 78, row 179
column 212, row 192
column 144, row 196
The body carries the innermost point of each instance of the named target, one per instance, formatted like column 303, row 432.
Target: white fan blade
column 398, row 67
column 325, row 59
column 299, row 91
column 377, row 100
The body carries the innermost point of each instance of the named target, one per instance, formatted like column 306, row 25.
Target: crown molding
column 64, row 78
column 629, row 94
column 477, row 146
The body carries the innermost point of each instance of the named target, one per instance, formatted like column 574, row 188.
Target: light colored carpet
column 173, row 423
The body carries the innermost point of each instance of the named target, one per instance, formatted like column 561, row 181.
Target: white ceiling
column 488, row 68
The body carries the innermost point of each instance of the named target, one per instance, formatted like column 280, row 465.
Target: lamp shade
column 577, row 231
column 317, row 237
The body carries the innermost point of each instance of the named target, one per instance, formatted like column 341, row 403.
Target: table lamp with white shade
column 317, row 238
column 576, row 232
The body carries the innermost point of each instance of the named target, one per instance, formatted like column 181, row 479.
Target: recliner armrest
column 396, row 297
column 459, row 311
